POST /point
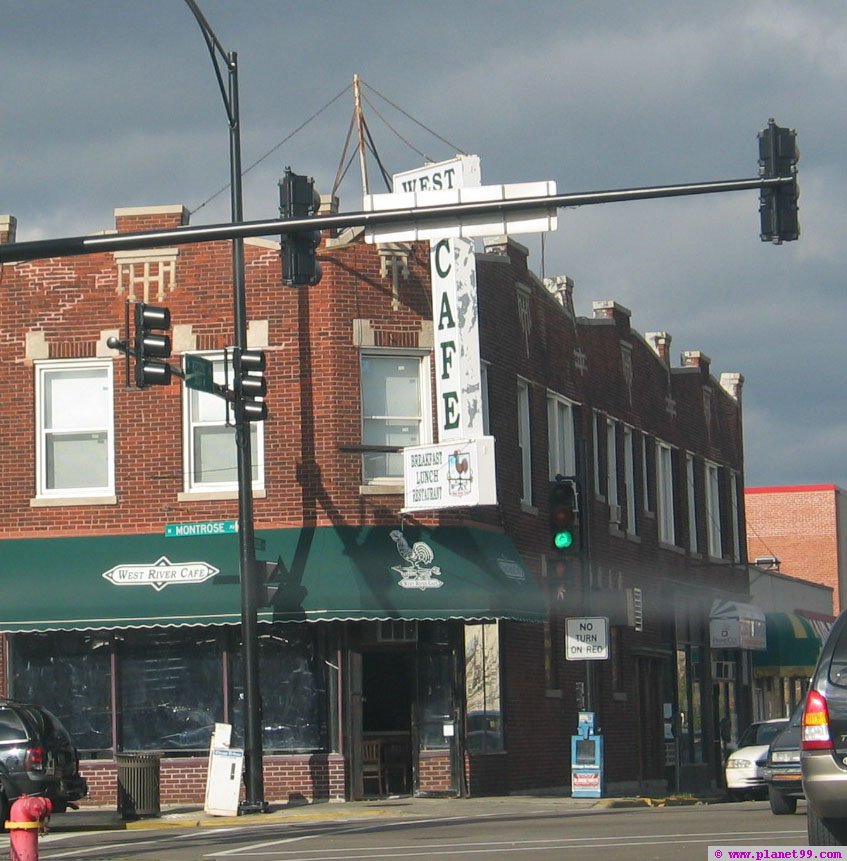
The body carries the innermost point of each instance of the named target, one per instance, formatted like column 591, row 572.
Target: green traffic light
column 563, row 540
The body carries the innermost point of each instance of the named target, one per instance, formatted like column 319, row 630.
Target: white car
column 745, row 767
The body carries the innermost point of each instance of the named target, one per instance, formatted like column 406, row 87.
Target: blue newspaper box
column 586, row 759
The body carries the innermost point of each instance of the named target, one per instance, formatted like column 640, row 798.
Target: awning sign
column 161, row 573
column 735, row 625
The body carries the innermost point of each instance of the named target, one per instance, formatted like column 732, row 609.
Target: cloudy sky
column 110, row 103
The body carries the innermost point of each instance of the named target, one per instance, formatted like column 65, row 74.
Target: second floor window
column 713, row 510
column 665, row 493
column 394, row 403
column 560, row 435
column 524, row 441
column 75, row 428
column 210, row 451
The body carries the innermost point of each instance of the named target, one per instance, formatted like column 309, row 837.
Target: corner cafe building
column 376, row 634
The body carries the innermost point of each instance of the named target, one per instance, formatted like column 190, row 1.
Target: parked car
column 37, row 757
column 745, row 767
column 823, row 746
column 782, row 767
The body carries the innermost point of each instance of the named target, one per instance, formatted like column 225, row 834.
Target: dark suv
column 782, row 767
column 37, row 757
column 823, row 746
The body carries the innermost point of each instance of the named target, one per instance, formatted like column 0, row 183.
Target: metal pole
column 40, row 249
column 254, row 801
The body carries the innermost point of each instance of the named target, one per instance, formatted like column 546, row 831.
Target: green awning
column 343, row 573
column 793, row 647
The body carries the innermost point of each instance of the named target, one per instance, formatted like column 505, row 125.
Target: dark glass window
column 70, row 675
column 293, row 676
column 170, row 690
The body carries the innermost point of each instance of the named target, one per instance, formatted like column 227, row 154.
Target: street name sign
column 192, row 530
column 199, row 373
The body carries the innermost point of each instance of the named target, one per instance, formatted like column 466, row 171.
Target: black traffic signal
column 564, row 515
column 152, row 349
column 298, row 199
column 250, row 384
column 778, row 157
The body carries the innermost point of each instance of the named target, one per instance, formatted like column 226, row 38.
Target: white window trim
column 82, row 495
column 664, row 493
column 629, row 479
column 391, row 484
column 215, row 489
column 713, row 511
column 692, row 503
column 562, row 447
column 612, row 464
column 525, row 439
column 736, row 523
column 483, row 384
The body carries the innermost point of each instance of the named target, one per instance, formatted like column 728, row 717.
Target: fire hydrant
column 27, row 819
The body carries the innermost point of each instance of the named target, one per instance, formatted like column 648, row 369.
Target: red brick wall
column 310, row 777
column 798, row 525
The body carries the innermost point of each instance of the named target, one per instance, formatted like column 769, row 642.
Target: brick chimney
column 608, row 309
column 661, row 344
column 696, row 359
column 8, row 228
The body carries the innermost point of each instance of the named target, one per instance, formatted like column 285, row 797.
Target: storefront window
column 293, row 677
column 169, row 686
column 482, row 688
column 435, row 700
column 170, row 690
column 69, row 674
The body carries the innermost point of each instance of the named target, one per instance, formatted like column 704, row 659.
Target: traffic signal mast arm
column 79, row 245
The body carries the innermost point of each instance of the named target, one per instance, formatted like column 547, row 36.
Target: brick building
column 804, row 529
column 129, row 629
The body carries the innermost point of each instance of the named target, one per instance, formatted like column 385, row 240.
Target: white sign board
column 449, row 475
column 223, row 779
column 465, row 225
column 459, row 172
column 458, row 387
column 587, row 638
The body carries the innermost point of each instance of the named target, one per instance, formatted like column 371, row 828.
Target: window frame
column 665, row 496
column 524, row 415
column 424, row 360
column 713, row 511
column 561, row 435
column 257, row 448
column 94, row 492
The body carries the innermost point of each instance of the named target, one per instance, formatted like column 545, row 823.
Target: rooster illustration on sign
column 419, row 573
column 459, row 476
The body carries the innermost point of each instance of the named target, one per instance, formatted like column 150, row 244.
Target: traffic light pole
column 74, row 246
column 254, row 801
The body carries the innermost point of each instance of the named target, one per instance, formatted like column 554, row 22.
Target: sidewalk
column 193, row 816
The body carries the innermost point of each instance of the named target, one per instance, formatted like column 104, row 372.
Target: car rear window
column 11, row 726
column 838, row 662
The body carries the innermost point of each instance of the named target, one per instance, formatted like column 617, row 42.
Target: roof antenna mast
column 360, row 125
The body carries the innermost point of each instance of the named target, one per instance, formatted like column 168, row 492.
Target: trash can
column 138, row 784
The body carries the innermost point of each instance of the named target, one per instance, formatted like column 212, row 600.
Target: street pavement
column 91, row 818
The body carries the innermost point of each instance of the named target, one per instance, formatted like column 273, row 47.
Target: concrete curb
column 109, row 819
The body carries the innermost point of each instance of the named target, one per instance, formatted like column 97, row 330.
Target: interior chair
column 372, row 770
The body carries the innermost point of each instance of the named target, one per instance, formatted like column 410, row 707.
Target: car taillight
column 815, row 727
column 35, row 759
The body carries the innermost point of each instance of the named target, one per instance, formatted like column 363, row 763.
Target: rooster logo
column 419, row 573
